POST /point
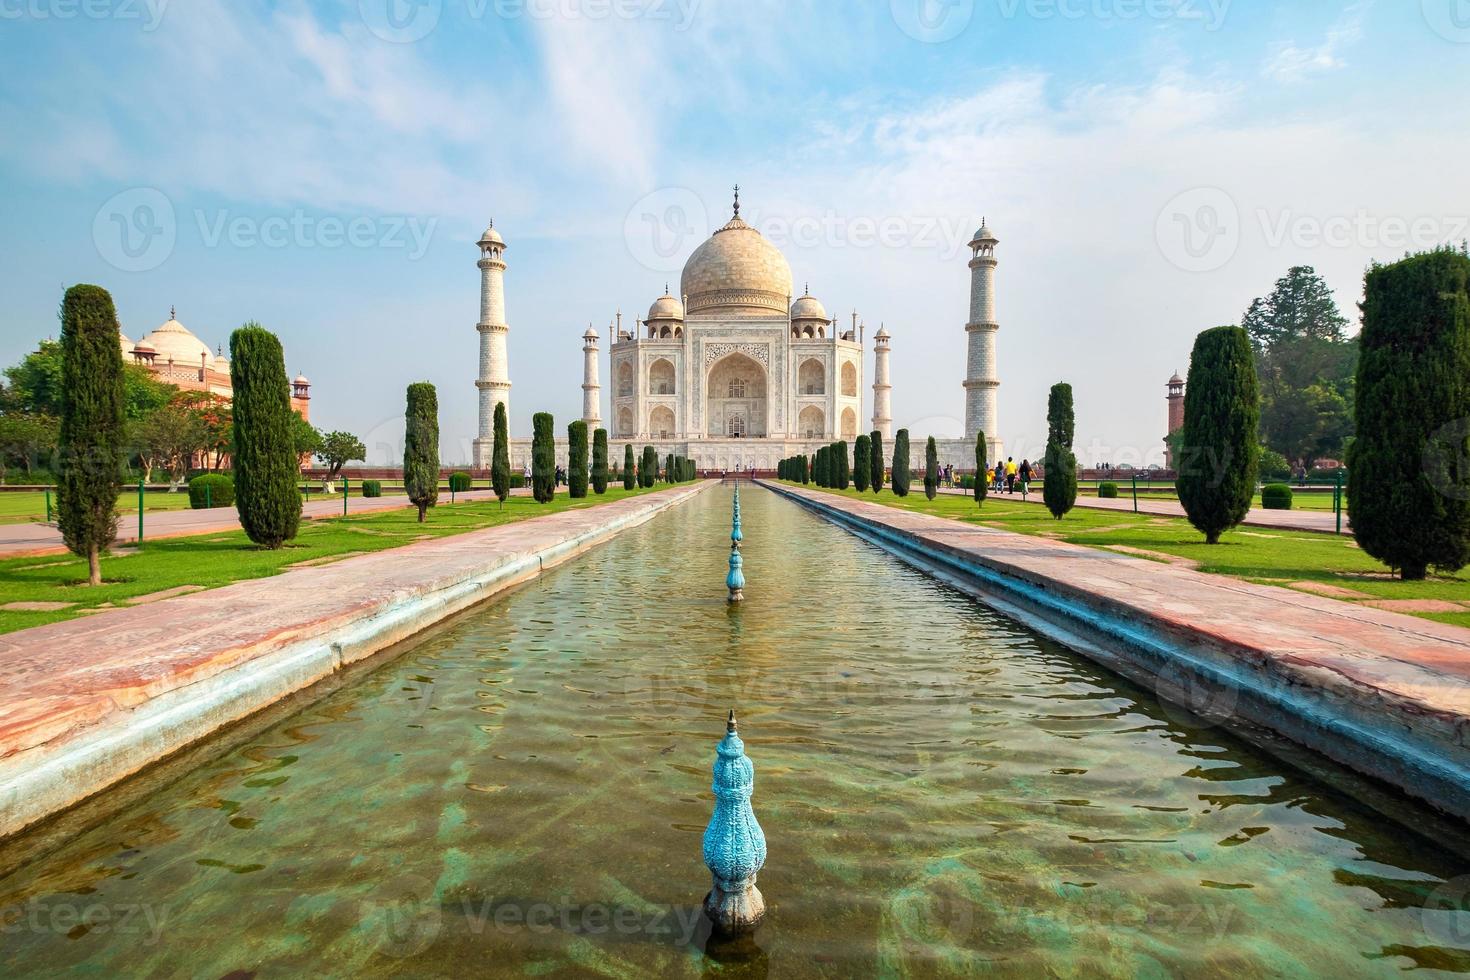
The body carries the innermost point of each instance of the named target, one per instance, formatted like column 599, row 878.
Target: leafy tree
column 338, row 449
column 421, row 447
column 901, row 476
column 630, row 475
column 862, row 467
column 305, row 437
column 500, row 455
column 982, row 469
column 1219, row 454
column 26, row 439
column 931, row 469
column 35, row 385
column 266, row 459
column 577, row 459
column 1408, row 494
column 543, row 457
column 875, row 456
column 216, row 417
column 599, row 461
column 168, row 438
column 1059, row 489
column 1305, row 366
column 92, row 425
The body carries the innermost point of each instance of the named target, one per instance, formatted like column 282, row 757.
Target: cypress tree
column 599, row 462
column 265, row 462
column 421, row 446
column 577, row 459
column 931, row 469
column 875, row 455
column 1408, row 495
column 862, row 469
column 500, row 455
column 823, row 468
column 92, row 423
column 543, row 457
column 844, row 464
column 648, row 470
column 803, row 469
column 901, row 463
column 630, row 475
column 669, row 475
column 1220, row 444
column 1060, row 487
column 982, row 469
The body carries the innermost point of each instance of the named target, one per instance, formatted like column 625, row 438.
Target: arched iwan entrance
column 735, row 398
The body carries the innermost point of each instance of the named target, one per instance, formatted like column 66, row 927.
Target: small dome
column 882, row 333
column 591, row 334
column 142, row 347
column 808, row 307
column 984, row 234
column 127, row 345
column 301, row 380
column 666, row 307
column 1176, row 380
column 491, row 236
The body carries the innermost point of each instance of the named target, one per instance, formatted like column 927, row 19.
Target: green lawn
column 212, row 560
column 26, row 507
column 1263, row 555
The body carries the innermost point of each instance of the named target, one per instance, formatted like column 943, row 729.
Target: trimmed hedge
column 372, row 488
column 1107, row 491
column 1276, row 496
column 459, row 482
column 211, row 490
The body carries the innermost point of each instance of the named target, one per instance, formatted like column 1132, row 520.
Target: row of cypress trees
column 831, row 466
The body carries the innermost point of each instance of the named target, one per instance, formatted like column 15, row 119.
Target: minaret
column 980, row 377
column 494, row 381
column 882, row 406
column 591, row 389
column 1176, row 416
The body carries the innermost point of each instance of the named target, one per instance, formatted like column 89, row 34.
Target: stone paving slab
column 1381, row 692
column 89, row 701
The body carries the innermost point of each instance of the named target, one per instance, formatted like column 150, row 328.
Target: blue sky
column 324, row 168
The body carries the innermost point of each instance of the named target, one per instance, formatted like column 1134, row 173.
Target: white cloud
column 1290, row 62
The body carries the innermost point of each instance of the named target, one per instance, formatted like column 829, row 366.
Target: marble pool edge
column 48, row 779
column 1417, row 747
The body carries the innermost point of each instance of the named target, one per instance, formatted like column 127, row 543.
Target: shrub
column 421, row 447
column 577, row 459
column 372, row 488
column 599, row 461
column 648, row 467
column 978, row 484
column 500, row 477
column 92, row 424
column 901, row 463
column 1107, row 491
column 211, row 490
column 1219, row 447
column 862, row 467
column 543, row 458
column 518, row 481
column 875, row 459
column 931, row 469
column 1276, row 496
column 265, row 462
column 1407, row 491
column 459, row 482
column 1059, row 490
column 630, row 476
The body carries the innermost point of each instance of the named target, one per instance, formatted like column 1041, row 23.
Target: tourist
column 1000, row 476
column 1025, row 474
column 1011, row 470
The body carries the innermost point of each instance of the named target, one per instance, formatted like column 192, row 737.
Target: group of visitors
column 1010, row 475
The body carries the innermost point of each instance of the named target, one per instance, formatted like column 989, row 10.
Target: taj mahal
column 737, row 371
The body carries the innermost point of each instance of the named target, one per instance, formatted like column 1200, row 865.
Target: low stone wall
column 89, row 702
column 1384, row 694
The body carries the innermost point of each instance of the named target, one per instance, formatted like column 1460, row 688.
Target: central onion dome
column 736, row 273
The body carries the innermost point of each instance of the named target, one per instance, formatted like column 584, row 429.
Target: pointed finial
column 730, row 723
column 666, row 289
column 807, row 289
column 171, row 314
column 492, row 222
column 737, row 200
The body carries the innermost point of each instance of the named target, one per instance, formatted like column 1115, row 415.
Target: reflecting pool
column 943, row 791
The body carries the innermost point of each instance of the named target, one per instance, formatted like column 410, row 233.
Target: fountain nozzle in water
column 735, row 581
column 734, row 845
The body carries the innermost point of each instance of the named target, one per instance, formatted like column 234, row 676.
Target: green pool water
column 943, row 792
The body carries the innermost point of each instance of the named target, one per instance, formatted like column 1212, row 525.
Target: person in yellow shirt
column 1011, row 470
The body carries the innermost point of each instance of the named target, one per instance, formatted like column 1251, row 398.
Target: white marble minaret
column 494, row 380
column 882, row 405
column 981, row 380
column 591, row 389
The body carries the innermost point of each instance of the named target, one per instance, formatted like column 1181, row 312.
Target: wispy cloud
column 1291, row 62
